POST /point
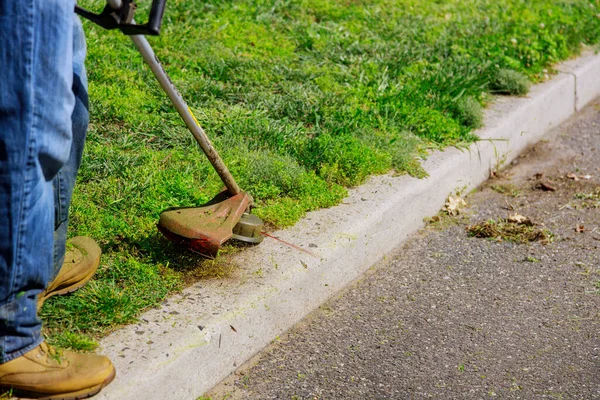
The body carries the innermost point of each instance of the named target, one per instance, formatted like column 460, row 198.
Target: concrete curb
column 194, row 340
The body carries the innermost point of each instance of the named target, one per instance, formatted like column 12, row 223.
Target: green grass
column 302, row 98
column 507, row 189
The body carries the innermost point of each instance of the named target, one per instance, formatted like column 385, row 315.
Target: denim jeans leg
column 36, row 103
column 65, row 179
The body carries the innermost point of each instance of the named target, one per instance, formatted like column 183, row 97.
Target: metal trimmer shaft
column 182, row 108
column 141, row 43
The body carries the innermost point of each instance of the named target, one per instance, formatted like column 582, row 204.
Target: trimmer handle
column 115, row 16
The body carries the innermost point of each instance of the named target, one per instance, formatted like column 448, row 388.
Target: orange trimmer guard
column 204, row 229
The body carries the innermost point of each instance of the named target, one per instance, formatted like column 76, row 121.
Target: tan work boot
column 46, row 373
column 81, row 262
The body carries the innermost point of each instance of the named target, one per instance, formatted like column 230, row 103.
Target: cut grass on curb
column 302, row 98
column 503, row 229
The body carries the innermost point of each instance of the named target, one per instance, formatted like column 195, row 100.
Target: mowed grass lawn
column 302, row 98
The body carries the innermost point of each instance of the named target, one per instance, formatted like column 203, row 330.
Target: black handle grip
column 120, row 19
column 156, row 16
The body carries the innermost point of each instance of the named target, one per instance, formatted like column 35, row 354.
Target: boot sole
column 74, row 287
column 70, row 288
column 80, row 394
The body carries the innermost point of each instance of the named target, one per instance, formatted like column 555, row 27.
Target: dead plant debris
column 545, row 186
column 573, row 176
column 454, row 205
column 516, row 228
column 520, row 219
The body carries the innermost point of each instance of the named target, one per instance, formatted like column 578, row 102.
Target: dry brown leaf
column 454, row 204
column 571, row 175
column 517, row 218
column 546, row 187
column 520, row 219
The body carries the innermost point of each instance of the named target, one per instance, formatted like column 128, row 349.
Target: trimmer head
column 204, row 229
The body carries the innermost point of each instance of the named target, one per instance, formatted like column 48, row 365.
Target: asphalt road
column 451, row 316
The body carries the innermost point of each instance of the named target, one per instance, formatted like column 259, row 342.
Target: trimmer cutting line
column 200, row 229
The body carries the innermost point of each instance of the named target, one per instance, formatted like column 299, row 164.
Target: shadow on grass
column 136, row 274
column 171, row 258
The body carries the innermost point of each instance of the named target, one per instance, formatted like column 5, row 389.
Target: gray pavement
column 453, row 316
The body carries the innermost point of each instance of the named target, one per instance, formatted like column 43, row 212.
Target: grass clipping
column 516, row 228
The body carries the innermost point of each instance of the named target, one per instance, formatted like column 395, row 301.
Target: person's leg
column 65, row 179
column 75, row 267
column 36, row 105
column 36, row 102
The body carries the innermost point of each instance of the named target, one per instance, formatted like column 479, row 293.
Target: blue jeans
column 65, row 179
column 43, row 119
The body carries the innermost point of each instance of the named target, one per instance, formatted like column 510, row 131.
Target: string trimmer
column 201, row 229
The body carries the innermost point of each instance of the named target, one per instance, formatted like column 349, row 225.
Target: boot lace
column 51, row 352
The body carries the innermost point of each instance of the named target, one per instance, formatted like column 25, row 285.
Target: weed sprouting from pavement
column 595, row 195
column 507, row 189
